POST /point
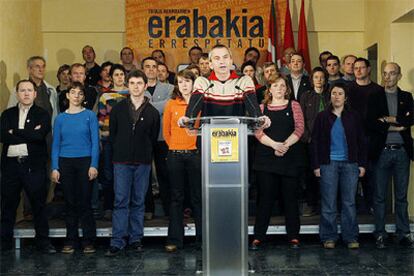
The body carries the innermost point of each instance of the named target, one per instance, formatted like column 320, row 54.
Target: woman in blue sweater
column 339, row 157
column 75, row 155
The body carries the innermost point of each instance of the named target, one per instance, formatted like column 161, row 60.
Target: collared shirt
column 20, row 149
column 296, row 84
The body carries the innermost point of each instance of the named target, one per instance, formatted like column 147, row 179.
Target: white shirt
column 20, row 149
column 296, row 84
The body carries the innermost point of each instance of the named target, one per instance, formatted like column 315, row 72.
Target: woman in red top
column 183, row 161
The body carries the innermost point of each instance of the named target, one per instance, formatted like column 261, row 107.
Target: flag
column 288, row 41
column 303, row 46
column 271, row 44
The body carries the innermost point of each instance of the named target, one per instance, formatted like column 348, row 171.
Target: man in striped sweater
column 223, row 93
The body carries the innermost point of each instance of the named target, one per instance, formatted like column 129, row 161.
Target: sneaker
column 329, row 244
column 255, row 245
column 406, row 241
column 380, row 243
column 170, row 248
column 136, row 246
column 353, row 245
column 113, row 251
column 89, row 249
column 294, row 244
column 68, row 249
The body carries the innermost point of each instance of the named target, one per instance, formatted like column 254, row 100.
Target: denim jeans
column 184, row 168
column 396, row 164
column 340, row 175
column 130, row 185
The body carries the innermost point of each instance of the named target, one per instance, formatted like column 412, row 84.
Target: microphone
column 199, row 99
column 254, row 108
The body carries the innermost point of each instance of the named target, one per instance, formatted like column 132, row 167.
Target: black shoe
column 136, row 246
column 406, row 241
column 47, row 249
column 113, row 251
column 380, row 243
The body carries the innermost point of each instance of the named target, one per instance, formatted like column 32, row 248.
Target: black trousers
column 77, row 192
column 160, row 159
column 269, row 185
column 15, row 177
column 184, row 168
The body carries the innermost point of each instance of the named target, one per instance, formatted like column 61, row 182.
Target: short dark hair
column 194, row 66
column 204, row 56
column 62, row 68
column 160, row 51
column 136, row 74
column 78, row 85
column 316, row 70
column 145, row 59
column 105, row 64
column 163, row 64
column 254, row 49
column 322, row 54
column 342, row 86
column 297, row 54
column 88, row 46
column 361, row 59
column 117, row 66
column 195, row 48
column 333, row 57
column 126, row 48
column 186, row 74
column 248, row 63
column 23, row 81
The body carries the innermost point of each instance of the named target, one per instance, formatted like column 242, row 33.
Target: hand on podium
column 266, row 122
column 183, row 121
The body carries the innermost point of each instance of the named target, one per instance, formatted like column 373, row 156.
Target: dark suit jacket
column 377, row 130
column 34, row 138
column 303, row 87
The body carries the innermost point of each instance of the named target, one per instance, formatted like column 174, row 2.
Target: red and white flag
column 272, row 42
column 303, row 46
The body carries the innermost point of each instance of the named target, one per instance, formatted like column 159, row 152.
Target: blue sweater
column 339, row 147
column 76, row 135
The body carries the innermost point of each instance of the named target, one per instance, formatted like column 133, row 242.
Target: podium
column 225, row 193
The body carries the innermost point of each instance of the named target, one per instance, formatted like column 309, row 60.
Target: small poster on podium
column 224, row 145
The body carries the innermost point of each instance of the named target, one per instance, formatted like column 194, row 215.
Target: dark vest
column 283, row 124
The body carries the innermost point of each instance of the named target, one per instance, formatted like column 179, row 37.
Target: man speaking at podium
column 223, row 93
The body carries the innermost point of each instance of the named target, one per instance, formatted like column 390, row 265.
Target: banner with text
column 176, row 26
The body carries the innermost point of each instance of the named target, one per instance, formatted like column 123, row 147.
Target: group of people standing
column 319, row 127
